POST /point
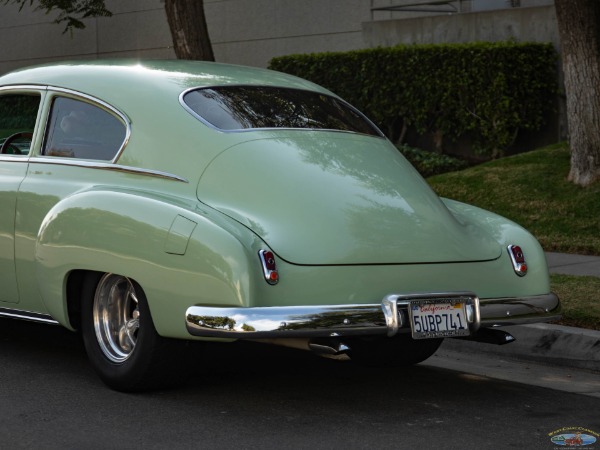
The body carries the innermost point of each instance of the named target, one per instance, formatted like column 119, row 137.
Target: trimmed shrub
column 488, row 91
column 429, row 163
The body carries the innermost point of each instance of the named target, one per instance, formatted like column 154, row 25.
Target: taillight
column 269, row 266
column 518, row 260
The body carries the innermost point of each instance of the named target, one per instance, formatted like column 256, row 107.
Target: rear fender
column 179, row 256
column 507, row 232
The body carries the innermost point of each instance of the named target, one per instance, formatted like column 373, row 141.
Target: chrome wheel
column 116, row 317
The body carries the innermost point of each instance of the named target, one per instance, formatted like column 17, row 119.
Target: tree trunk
column 188, row 29
column 579, row 29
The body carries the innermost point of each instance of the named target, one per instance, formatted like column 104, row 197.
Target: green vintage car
column 151, row 204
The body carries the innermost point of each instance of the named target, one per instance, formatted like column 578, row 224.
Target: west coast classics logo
column 574, row 437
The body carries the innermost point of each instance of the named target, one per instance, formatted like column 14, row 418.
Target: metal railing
column 439, row 6
column 445, row 6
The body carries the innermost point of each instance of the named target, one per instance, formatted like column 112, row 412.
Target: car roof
column 148, row 94
column 117, row 79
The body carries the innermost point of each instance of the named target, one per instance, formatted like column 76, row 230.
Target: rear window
column 232, row 108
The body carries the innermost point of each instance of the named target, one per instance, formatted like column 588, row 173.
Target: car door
column 19, row 109
column 79, row 140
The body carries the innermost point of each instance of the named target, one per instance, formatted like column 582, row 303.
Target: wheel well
column 74, row 286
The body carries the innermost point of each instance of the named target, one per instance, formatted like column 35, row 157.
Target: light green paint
column 338, row 198
column 179, row 235
column 315, row 197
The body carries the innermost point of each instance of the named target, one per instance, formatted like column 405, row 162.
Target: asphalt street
column 256, row 396
column 467, row 396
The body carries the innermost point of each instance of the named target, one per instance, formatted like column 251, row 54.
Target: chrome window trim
column 27, row 315
column 24, row 87
column 39, row 89
column 93, row 164
column 106, row 166
column 249, row 130
column 14, row 158
column 86, row 98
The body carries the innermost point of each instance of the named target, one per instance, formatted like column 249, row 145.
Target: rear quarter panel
column 138, row 234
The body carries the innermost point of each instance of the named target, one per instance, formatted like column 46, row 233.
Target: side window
column 81, row 130
column 18, row 113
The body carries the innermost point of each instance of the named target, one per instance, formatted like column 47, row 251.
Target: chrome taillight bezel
column 269, row 266
column 517, row 257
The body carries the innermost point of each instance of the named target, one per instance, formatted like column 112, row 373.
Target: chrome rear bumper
column 388, row 317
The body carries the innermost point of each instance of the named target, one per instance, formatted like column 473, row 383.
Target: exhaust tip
column 328, row 347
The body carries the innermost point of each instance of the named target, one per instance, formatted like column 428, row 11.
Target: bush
column 485, row 91
column 429, row 163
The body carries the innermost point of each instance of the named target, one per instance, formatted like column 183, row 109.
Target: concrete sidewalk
column 547, row 343
column 573, row 264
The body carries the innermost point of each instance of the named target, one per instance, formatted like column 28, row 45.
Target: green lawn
column 580, row 298
column 532, row 189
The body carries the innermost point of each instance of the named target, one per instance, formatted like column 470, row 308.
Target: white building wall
column 532, row 24
column 251, row 32
column 138, row 28
column 404, row 9
column 246, row 32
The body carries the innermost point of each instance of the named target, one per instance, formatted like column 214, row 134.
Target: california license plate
column 437, row 318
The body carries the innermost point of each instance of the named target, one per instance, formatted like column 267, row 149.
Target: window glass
column 246, row 107
column 18, row 113
column 81, row 130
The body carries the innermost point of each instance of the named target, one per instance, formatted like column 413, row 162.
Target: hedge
column 488, row 91
column 428, row 163
column 18, row 112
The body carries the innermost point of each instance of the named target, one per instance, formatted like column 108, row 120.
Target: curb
column 578, row 348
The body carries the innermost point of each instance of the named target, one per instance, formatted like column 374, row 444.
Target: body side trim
column 106, row 166
column 27, row 315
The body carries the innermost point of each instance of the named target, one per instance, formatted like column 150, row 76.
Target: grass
column 580, row 298
column 532, row 190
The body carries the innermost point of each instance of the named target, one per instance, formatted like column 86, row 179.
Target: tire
column 398, row 351
column 120, row 338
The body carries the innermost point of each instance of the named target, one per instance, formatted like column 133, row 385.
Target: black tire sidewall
column 133, row 373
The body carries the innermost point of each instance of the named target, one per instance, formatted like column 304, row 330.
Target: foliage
column 70, row 11
column 17, row 113
column 532, row 189
column 430, row 163
column 580, row 299
column 487, row 91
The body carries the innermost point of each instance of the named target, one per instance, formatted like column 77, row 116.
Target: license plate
column 436, row 319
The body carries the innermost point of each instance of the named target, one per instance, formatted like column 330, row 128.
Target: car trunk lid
column 328, row 198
